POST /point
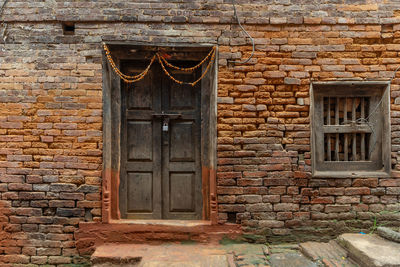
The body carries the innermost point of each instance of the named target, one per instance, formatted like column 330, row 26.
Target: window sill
column 350, row 174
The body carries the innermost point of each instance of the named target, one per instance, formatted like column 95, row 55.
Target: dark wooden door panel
column 140, row 97
column 181, row 157
column 181, row 192
column 160, row 170
column 140, row 192
column 140, row 182
column 182, row 97
column 140, row 140
column 182, row 141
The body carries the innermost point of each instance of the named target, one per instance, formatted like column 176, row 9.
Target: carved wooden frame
column 111, row 135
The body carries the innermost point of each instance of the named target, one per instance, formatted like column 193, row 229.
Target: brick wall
column 50, row 149
column 264, row 166
column 51, row 114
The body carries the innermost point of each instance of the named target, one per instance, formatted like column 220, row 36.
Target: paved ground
column 371, row 250
column 199, row 255
column 366, row 250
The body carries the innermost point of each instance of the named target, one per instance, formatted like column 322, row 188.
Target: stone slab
column 92, row 235
column 159, row 255
column 388, row 234
column 283, row 248
column 371, row 250
column 247, row 254
column 294, row 259
column 327, row 254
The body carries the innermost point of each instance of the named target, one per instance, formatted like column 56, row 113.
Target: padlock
column 165, row 127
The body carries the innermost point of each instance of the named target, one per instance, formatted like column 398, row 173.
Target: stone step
column 388, row 234
column 292, row 259
column 92, row 235
column 328, row 254
column 287, row 255
column 371, row 250
column 163, row 255
column 247, row 254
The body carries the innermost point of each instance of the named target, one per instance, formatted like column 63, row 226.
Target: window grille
column 350, row 142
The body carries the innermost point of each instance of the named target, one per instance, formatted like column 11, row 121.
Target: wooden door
column 160, row 147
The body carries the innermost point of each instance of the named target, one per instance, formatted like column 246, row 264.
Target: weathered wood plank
column 140, row 188
column 362, row 116
column 346, row 136
column 337, row 123
column 353, row 119
column 328, row 136
column 181, row 167
column 362, row 128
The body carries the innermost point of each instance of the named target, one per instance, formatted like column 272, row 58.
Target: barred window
column 350, row 129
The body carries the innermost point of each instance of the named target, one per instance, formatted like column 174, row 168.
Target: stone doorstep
column 178, row 254
column 161, row 255
column 116, row 254
column 329, row 254
column 371, row 250
column 92, row 235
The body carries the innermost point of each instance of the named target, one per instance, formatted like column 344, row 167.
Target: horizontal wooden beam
column 357, row 128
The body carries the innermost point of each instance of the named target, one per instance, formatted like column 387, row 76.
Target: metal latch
column 172, row 116
column 166, row 117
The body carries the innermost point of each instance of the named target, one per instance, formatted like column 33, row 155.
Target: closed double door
column 160, row 146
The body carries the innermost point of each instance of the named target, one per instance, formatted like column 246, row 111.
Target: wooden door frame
column 112, row 132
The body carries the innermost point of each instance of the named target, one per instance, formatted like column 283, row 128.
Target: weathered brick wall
column 50, row 147
column 264, row 173
column 51, row 113
column 207, row 11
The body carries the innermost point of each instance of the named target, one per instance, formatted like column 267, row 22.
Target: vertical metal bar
column 362, row 116
column 337, row 135
column 328, row 136
column 353, row 118
column 346, row 136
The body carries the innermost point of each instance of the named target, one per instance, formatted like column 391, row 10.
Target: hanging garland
column 192, row 68
column 127, row 78
column 163, row 62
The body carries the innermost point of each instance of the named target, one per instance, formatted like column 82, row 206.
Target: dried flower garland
column 182, row 82
column 127, row 78
column 163, row 62
column 192, row 68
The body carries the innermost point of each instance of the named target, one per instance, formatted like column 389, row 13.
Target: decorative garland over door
column 163, row 62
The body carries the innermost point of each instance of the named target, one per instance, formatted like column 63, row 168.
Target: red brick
column 367, row 182
column 337, row 208
column 284, row 215
column 23, row 259
column 348, row 199
column 331, row 191
column 286, row 207
column 322, row 200
column 389, row 182
column 357, row 191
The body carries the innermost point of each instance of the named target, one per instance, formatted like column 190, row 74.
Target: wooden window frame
column 379, row 164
